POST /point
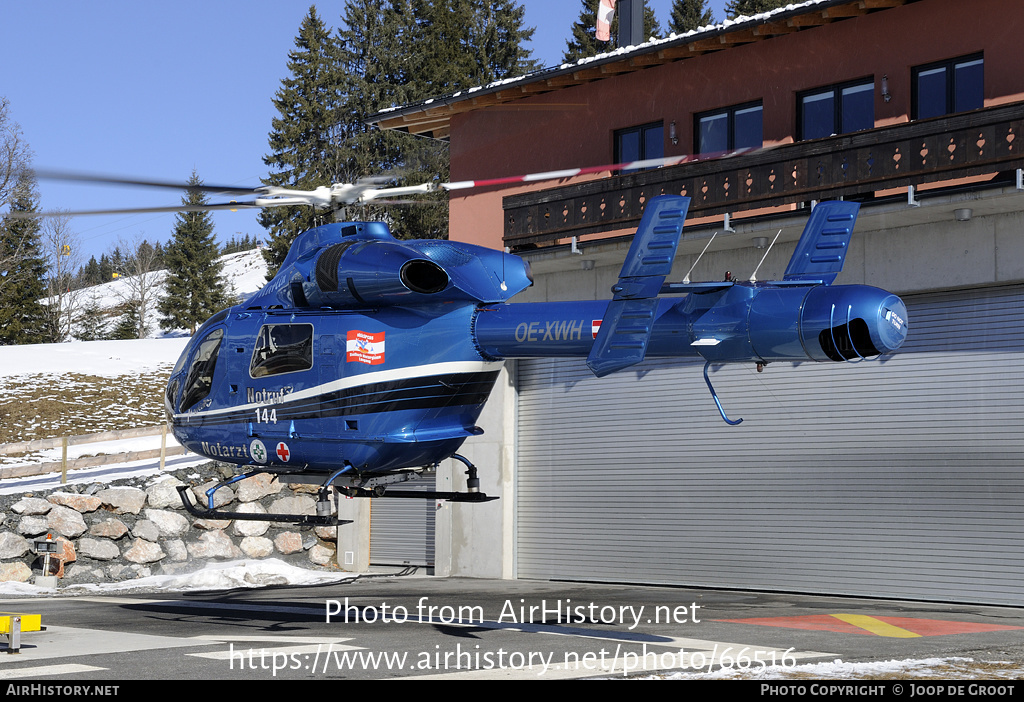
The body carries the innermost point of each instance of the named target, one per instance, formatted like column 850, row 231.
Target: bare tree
column 14, row 154
column 138, row 283
column 60, row 247
column 17, row 185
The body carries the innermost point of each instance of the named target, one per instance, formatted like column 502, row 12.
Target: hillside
column 244, row 272
column 81, row 387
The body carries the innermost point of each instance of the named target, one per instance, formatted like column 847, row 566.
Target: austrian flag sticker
column 364, row 347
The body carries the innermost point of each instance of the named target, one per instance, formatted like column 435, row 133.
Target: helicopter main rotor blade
column 80, row 177
column 134, row 210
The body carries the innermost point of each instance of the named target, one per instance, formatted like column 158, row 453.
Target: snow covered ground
column 88, row 369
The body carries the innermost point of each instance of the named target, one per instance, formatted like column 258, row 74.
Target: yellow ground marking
column 876, row 626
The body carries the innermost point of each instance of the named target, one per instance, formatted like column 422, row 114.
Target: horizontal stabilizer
column 625, row 331
column 821, row 252
column 629, row 319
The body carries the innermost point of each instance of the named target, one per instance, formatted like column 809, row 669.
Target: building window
column 837, row 109
column 942, row 88
column 639, row 143
column 738, row 127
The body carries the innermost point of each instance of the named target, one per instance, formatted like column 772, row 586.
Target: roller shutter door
column 401, row 529
column 900, row 478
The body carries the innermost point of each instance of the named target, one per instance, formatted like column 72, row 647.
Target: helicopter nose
column 851, row 322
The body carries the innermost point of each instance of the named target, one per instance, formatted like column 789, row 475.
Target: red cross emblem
column 282, row 452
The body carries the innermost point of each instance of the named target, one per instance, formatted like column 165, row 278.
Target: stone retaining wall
column 137, row 528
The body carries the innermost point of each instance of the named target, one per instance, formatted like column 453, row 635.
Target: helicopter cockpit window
column 200, row 373
column 282, row 348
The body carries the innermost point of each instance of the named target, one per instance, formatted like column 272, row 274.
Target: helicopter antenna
column 753, row 276
column 687, row 278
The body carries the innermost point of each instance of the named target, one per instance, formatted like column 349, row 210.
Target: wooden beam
column 854, row 10
column 774, row 28
column 740, row 37
column 881, row 4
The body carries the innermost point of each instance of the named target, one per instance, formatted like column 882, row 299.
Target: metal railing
column 941, row 149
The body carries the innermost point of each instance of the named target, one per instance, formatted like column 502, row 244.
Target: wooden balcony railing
column 985, row 141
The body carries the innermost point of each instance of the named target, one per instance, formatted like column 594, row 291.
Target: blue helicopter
column 368, row 359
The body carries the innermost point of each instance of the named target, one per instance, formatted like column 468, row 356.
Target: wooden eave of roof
column 433, row 117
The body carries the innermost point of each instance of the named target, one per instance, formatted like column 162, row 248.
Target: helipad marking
column 890, row 627
column 876, row 626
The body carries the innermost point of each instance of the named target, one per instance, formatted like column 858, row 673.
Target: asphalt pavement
column 384, row 626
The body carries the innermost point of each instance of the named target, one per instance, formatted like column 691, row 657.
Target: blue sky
column 155, row 90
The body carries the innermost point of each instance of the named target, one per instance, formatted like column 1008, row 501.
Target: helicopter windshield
column 200, row 373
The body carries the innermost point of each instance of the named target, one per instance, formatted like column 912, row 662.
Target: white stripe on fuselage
column 353, row 381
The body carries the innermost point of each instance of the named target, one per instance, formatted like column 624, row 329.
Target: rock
column 98, row 549
column 296, row 504
column 176, row 550
column 249, row 527
column 31, row 505
column 164, row 494
column 66, row 551
column 116, row 571
column 110, row 528
column 322, row 554
column 220, row 498
column 257, row 546
column 123, row 500
column 79, row 503
column 257, row 487
column 13, row 546
column 326, row 533
column 33, row 526
column 214, row 544
column 142, row 551
column 145, row 529
column 305, row 488
column 171, row 524
column 66, row 522
column 211, row 524
column 83, row 573
column 15, row 572
column 288, row 542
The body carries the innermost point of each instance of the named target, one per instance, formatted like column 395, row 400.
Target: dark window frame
column 950, row 66
column 837, row 106
column 642, row 130
column 280, row 359
column 730, row 113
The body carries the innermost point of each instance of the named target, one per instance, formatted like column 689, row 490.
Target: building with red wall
column 898, row 478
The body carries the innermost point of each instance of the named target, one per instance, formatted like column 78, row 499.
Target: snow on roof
column 618, row 53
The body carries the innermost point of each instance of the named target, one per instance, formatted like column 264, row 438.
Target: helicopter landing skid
column 325, row 520
column 472, row 493
column 379, row 492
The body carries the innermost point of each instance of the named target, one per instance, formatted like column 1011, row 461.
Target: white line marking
column 42, row 671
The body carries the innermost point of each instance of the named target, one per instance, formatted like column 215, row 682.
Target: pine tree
column 688, row 15
column 735, row 8
column 22, row 270
column 584, row 42
column 305, row 141
column 444, row 48
column 91, row 324
column 194, row 289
